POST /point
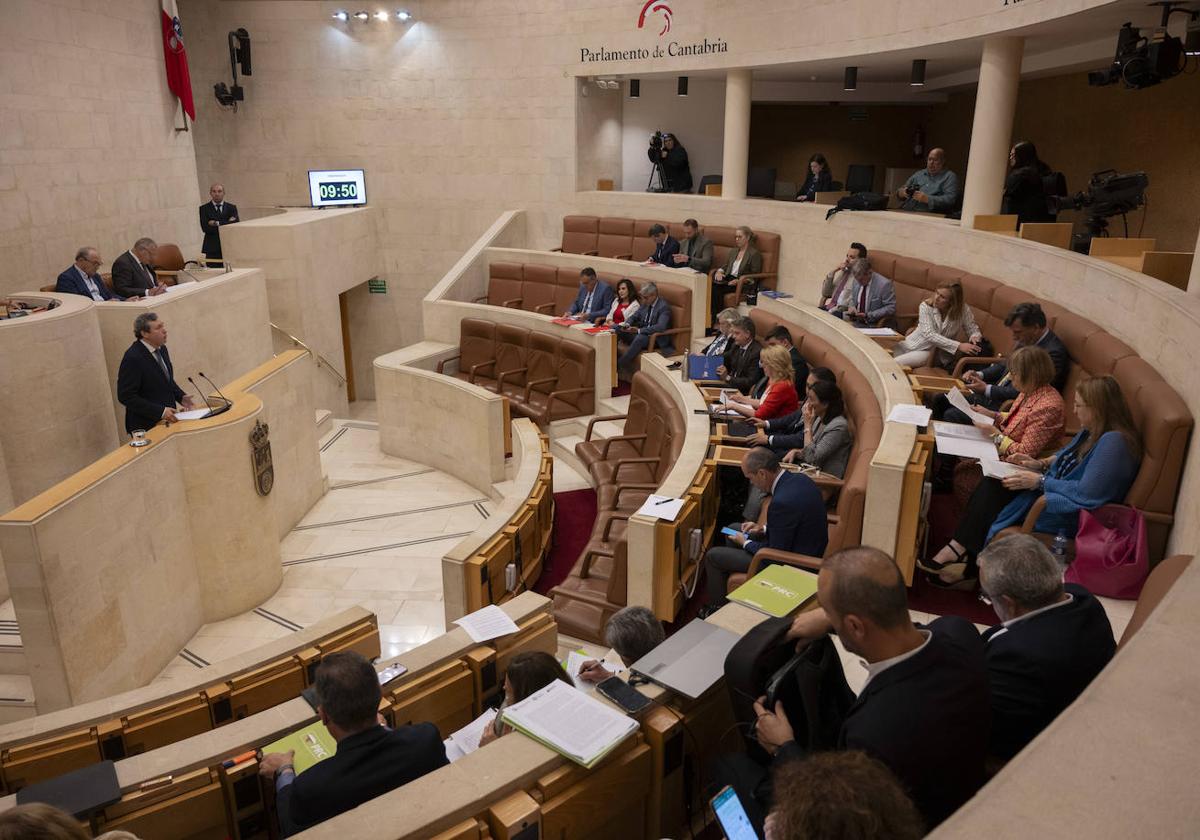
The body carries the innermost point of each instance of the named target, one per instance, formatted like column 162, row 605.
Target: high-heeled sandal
column 931, row 565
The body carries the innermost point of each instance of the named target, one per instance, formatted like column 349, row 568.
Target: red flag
column 175, row 56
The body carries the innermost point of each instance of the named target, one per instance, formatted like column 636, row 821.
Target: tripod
column 664, row 185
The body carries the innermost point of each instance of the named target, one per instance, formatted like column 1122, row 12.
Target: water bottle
column 1059, row 549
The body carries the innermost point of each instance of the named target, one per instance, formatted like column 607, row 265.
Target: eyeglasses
column 984, row 598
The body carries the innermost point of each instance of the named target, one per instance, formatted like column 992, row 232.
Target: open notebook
column 570, row 722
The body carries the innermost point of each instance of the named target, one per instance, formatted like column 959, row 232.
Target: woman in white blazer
column 623, row 306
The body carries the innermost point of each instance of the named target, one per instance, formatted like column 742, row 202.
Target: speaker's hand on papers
column 272, row 762
column 772, row 729
column 169, row 417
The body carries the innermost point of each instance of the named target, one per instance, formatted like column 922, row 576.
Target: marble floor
column 375, row 539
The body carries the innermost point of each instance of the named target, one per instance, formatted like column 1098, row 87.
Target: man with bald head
column 924, row 710
column 932, row 190
column 213, row 214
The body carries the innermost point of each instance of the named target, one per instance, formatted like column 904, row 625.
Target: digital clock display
column 337, row 187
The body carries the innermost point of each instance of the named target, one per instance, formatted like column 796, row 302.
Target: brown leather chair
column 723, row 243
column 504, row 285
column 561, row 381
column 679, row 298
column 580, row 235
column 643, row 246
column 476, row 352
column 566, row 289
column 538, row 288
column 615, row 238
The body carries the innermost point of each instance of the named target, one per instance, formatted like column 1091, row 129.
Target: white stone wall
column 88, row 152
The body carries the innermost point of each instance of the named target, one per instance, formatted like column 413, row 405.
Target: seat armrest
column 613, row 517
column 595, row 420
column 558, row 395
column 621, row 488
column 441, row 366
column 505, row 373
column 623, row 461
column 529, row 385
column 591, row 254
column 515, row 303
column 606, row 607
column 1034, row 512
column 586, row 567
column 973, row 361
column 480, row 299
column 475, row 368
column 556, row 250
column 545, row 307
column 622, row 256
column 674, row 331
column 604, row 447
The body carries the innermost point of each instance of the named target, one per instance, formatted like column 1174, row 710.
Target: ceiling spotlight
column 635, row 88
column 681, row 88
column 850, row 82
column 918, row 73
column 341, row 15
column 381, row 16
column 362, row 15
column 402, row 15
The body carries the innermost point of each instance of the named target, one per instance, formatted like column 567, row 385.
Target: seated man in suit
column 133, row 273
column 653, row 316
column 870, row 299
column 1051, row 642
column 665, row 247
column 740, row 366
column 213, row 214
column 836, row 281
column 371, row 759
column 992, row 386
column 795, row 522
column 695, row 251
column 146, row 378
column 924, row 710
column 82, row 279
column 593, row 300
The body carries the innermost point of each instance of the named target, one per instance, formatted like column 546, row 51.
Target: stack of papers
column 598, row 330
column 964, row 441
column 878, row 331
column 193, row 414
column 912, row 415
column 570, row 723
column 777, row 590
column 566, row 322
column 466, row 740
column 661, row 507
column 491, row 622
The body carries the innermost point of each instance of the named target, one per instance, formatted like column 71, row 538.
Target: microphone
column 203, row 399
column 215, row 388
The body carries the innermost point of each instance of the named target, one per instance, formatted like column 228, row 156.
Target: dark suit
column 1041, row 664
column 699, row 251
column 228, row 215
column 663, row 251
column 70, row 282
column 814, row 184
column 366, row 765
column 795, row 523
column 752, row 263
column 644, row 323
column 143, row 388
column 1002, row 390
column 927, row 718
column 132, row 278
column 602, row 298
column 741, row 365
column 800, row 368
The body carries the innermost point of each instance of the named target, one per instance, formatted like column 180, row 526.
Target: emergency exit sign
column 376, row 286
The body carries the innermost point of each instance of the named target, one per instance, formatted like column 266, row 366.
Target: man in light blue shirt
column 932, row 190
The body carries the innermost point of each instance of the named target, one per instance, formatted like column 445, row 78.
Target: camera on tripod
column 656, row 154
column 1109, row 193
column 657, row 138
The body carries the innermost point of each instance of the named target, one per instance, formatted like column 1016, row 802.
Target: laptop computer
column 689, row 662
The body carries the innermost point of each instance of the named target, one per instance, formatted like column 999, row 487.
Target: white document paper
column 1000, row 469
column 878, row 331
column 575, row 660
column 569, row 721
column 466, row 740
column 661, row 507
column 957, row 430
column 959, row 401
column 193, row 414
column 491, row 622
column 912, row 415
column 982, row 450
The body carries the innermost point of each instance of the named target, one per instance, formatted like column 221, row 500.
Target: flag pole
column 183, row 114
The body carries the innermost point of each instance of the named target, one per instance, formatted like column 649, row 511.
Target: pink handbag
column 1112, row 557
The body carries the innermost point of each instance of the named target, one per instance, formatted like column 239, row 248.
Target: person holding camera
column 934, row 189
column 665, row 150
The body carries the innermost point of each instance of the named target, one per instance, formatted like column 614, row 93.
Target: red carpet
column 622, row 389
column 574, row 515
column 924, row 597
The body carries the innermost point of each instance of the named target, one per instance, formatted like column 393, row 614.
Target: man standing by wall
column 212, row 215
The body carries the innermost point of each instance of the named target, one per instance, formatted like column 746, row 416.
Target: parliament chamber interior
column 676, row 419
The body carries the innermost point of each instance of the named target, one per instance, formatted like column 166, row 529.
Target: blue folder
column 704, row 367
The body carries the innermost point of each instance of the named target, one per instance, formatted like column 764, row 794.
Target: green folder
column 777, row 590
column 312, row 744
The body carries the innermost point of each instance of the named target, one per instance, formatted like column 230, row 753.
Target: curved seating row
column 1158, row 410
column 163, row 713
column 626, row 469
column 185, row 790
column 543, row 377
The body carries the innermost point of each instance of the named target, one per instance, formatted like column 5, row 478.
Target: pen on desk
column 663, row 501
column 238, row 759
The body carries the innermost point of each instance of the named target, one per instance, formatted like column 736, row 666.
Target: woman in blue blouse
column 1096, row 468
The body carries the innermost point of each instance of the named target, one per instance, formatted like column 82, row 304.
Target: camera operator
column 932, row 189
column 665, row 149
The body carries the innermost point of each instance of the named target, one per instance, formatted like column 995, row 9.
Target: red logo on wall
column 656, row 6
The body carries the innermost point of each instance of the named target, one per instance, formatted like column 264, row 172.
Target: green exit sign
column 376, row 286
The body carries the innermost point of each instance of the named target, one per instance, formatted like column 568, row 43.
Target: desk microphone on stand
column 228, row 402
column 203, row 399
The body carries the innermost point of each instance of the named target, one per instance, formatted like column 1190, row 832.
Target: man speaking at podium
column 146, row 379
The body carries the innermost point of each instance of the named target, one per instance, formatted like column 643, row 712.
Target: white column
column 991, row 133
column 1194, row 278
column 735, row 161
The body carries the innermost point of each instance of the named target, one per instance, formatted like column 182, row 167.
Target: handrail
column 320, row 360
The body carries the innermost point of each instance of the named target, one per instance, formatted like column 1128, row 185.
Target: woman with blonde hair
column 743, row 259
column 780, row 396
column 1096, row 468
column 940, row 320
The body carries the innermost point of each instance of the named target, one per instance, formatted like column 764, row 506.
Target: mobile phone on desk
column 731, row 814
column 620, row 692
